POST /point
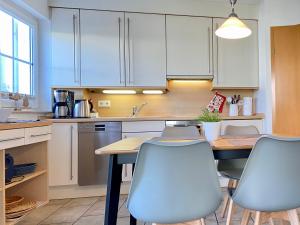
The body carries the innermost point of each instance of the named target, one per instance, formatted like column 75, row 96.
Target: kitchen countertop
column 151, row 118
column 19, row 125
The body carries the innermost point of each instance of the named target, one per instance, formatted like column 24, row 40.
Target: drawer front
column 143, row 126
column 141, row 134
column 11, row 138
column 37, row 134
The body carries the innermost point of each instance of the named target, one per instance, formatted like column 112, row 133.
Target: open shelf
column 12, row 222
column 26, row 178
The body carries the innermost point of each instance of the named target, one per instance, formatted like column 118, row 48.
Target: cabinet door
column 63, row 155
column 145, row 50
column 236, row 61
column 65, row 48
column 102, row 48
column 189, row 46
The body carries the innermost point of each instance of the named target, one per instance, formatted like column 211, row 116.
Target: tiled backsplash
column 184, row 98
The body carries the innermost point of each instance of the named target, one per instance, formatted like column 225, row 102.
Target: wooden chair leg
column 258, row 218
column 226, row 200
column 230, row 212
column 293, row 217
column 246, row 217
column 271, row 221
column 202, row 221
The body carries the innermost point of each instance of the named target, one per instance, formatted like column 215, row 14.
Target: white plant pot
column 212, row 130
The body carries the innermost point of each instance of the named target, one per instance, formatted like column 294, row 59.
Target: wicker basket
column 20, row 210
column 12, row 201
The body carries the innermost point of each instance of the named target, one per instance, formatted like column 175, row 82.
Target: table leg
column 113, row 191
column 132, row 219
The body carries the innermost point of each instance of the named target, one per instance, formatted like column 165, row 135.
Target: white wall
column 38, row 8
column 272, row 13
column 187, row 7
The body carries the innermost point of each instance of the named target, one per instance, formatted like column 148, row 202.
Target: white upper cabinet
column 102, row 48
column 65, row 48
column 189, row 46
column 236, row 61
column 145, row 48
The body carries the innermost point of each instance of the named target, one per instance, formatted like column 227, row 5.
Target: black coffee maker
column 63, row 104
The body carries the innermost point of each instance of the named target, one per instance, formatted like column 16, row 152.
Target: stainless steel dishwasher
column 93, row 169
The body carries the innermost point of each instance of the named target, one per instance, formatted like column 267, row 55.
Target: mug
column 233, row 110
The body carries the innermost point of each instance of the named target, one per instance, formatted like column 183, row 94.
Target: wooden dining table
column 125, row 152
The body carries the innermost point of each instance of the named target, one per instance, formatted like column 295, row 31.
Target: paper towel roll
column 247, row 108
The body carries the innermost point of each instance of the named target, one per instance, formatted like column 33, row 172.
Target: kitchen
column 97, row 73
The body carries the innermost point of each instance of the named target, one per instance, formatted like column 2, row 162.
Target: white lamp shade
column 233, row 28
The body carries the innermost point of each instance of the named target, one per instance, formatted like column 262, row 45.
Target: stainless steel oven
column 93, row 169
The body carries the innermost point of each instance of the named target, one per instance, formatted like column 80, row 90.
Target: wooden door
column 285, row 46
column 189, row 46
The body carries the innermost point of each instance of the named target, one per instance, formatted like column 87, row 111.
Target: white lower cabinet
column 63, row 154
column 139, row 129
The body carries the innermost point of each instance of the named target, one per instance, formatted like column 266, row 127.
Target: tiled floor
column 90, row 211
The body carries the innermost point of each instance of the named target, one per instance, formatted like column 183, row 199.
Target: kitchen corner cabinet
column 65, row 48
column 145, row 50
column 102, row 48
column 236, row 61
column 63, row 154
column 189, row 46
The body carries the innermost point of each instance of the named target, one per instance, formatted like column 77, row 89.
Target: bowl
column 4, row 114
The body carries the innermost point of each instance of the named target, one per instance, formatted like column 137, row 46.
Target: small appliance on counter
column 63, row 104
column 82, row 108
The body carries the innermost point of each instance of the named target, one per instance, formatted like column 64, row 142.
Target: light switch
column 104, row 104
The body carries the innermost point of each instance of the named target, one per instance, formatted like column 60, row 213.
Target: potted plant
column 211, row 124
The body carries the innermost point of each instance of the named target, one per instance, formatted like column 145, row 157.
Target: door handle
column 74, row 47
column 217, row 60
column 120, row 66
column 11, row 139
column 209, row 53
column 129, row 55
column 38, row 135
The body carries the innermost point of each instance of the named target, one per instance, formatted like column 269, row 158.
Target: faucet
column 136, row 110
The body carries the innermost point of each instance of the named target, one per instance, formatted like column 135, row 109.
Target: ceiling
column 241, row 1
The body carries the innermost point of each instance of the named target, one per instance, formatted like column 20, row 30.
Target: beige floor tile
column 123, row 211
column 81, row 201
column 66, row 215
column 90, row 220
column 59, row 201
column 126, row 220
column 39, row 215
column 98, row 208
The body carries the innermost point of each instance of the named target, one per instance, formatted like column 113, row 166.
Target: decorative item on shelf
column 234, row 105
column 211, row 124
column 25, row 102
column 233, row 27
column 23, row 169
column 217, row 103
column 247, row 106
column 9, row 168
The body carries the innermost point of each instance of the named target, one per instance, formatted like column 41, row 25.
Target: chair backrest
column 174, row 182
column 190, row 132
column 270, row 180
column 241, row 130
column 236, row 130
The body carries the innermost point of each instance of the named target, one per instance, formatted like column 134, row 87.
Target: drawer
column 141, row 134
column 143, row 126
column 37, row 134
column 11, row 138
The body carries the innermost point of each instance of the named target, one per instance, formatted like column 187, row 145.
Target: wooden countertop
column 132, row 145
column 152, row 118
column 19, row 125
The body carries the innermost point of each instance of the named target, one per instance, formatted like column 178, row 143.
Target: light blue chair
column 190, row 132
column 270, row 181
column 233, row 168
column 174, row 182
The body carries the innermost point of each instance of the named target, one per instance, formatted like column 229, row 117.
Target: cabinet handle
column 39, row 135
column 75, row 50
column 217, row 61
column 129, row 57
column 11, row 139
column 209, row 53
column 120, row 66
column 71, row 153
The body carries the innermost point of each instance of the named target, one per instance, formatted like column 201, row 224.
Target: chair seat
column 234, row 174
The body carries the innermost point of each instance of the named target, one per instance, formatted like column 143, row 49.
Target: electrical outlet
column 104, row 104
